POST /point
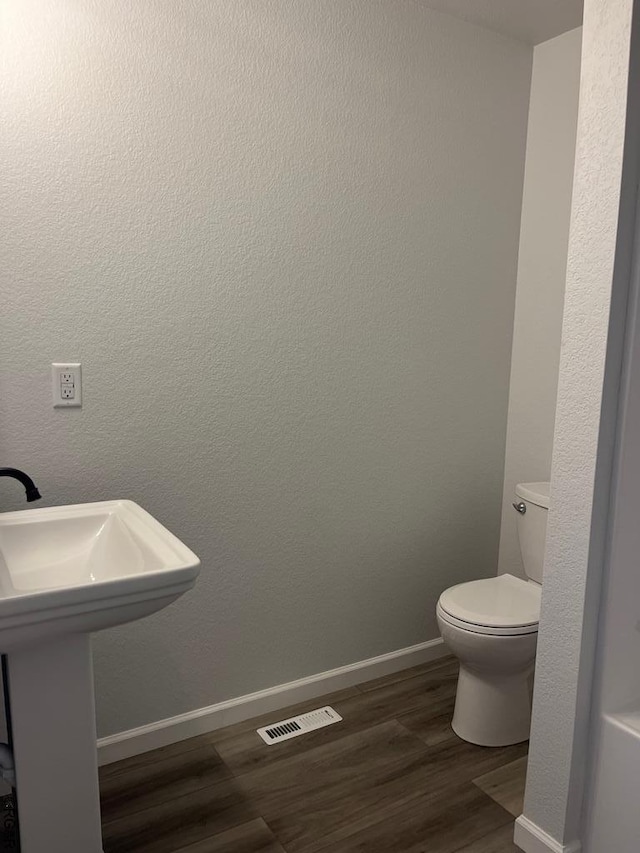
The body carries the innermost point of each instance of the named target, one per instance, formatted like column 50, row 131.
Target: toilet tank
column 532, row 504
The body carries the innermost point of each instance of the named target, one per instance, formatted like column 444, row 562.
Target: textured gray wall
column 542, row 269
column 281, row 237
column 601, row 235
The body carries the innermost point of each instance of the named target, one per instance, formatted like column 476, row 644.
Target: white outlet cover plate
column 58, row 387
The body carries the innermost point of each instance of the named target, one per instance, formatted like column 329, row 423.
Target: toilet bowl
column 491, row 626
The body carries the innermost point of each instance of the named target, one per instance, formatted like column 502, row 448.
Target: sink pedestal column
column 54, row 744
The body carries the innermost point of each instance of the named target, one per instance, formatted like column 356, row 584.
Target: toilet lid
column 500, row 602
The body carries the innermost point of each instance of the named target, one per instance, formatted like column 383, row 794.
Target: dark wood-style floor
column 392, row 777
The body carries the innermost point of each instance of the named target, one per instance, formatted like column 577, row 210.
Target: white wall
column 281, row 238
column 592, row 335
column 542, row 266
column 611, row 814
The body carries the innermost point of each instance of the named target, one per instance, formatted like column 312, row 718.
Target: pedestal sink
column 64, row 573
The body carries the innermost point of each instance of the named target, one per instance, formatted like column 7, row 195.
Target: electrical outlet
column 66, row 384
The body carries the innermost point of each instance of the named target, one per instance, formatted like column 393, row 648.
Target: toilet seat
column 490, row 630
column 500, row 606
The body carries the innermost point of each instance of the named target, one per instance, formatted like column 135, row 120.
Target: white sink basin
column 66, row 572
column 86, row 567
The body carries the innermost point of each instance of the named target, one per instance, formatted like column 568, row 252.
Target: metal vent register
column 294, row 726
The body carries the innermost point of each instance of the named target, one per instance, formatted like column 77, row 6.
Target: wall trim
column 203, row 720
column 532, row 839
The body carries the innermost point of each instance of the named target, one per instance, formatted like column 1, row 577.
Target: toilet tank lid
column 535, row 493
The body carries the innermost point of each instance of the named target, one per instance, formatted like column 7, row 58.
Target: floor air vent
column 294, row 726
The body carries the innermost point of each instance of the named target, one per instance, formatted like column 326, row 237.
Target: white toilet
column 491, row 626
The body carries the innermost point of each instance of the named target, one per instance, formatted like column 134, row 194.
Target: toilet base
column 493, row 711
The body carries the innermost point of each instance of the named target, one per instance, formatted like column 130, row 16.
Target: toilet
column 491, row 626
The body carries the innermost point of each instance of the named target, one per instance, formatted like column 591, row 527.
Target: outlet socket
column 66, row 385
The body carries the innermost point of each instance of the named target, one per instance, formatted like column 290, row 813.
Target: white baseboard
column 203, row 720
column 532, row 839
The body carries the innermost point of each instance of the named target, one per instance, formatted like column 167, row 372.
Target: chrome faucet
column 29, row 486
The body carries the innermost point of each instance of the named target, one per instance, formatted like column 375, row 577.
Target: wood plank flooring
column 506, row 785
column 392, row 777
